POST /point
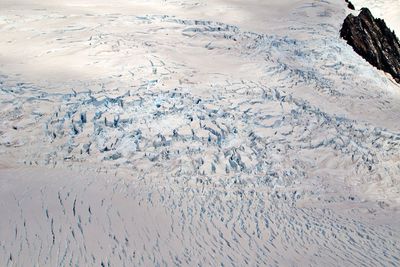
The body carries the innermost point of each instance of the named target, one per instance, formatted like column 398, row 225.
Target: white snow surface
column 186, row 133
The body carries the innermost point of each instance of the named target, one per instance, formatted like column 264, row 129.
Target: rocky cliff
column 374, row 41
column 350, row 5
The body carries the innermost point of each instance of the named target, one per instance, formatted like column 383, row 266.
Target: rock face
column 350, row 5
column 374, row 41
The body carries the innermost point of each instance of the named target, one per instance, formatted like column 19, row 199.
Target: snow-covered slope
column 248, row 127
column 61, row 218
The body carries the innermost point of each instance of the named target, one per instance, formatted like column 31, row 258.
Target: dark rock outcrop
column 374, row 41
column 350, row 5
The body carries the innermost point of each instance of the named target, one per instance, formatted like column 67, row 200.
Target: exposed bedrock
column 350, row 5
column 374, row 41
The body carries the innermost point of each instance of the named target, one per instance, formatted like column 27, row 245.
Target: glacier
column 180, row 133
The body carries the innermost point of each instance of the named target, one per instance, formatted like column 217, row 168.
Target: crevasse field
column 194, row 133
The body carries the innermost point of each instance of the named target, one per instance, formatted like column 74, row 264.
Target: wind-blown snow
column 227, row 133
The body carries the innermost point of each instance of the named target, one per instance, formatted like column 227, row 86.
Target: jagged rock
column 374, row 41
column 350, row 5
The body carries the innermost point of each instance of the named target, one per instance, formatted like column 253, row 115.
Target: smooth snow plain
column 193, row 133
